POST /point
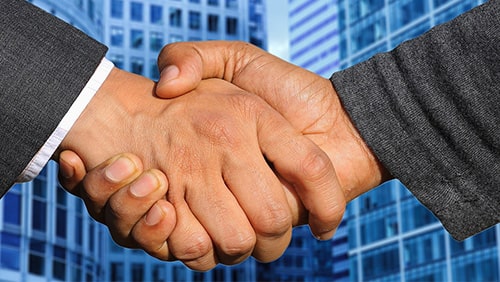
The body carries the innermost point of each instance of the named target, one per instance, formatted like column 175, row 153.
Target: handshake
column 224, row 155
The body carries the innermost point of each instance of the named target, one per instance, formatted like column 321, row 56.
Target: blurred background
column 386, row 235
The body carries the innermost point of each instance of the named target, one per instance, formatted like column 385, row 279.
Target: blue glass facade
column 46, row 232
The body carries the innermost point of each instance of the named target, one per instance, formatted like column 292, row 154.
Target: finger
column 152, row 231
column 183, row 65
column 189, row 242
column 105, row 179
column 128, row 205
column 308, row 170
column 71, row 171
column 263, row 199
column 222, row 217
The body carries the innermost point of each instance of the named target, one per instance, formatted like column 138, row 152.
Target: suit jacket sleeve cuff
column 49, row 147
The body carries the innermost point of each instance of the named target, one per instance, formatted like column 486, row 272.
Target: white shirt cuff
column 43, row 155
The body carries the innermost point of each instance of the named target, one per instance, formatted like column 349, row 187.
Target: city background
column 386, row 235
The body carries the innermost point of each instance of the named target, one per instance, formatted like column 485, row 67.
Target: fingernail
column 169, row 73
column 154, row 215
column 326, row 235
column 120, row 169
column 144, row 185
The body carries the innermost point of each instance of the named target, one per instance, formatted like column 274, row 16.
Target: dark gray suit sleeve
column 430, row 111
column 44, row 65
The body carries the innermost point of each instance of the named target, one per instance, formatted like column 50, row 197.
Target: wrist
column 358, row 168
column 96, row 134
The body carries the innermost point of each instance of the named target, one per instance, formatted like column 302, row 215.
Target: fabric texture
column 430, row 111
column 44, row 65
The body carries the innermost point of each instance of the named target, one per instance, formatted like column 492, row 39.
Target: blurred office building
column 386, row 235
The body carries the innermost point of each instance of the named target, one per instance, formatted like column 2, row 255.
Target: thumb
column 183, row 65
column 181, row 69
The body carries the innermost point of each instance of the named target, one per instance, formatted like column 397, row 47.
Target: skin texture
column 214, row 146
column 306, row 100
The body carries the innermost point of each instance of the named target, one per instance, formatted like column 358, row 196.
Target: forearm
column 429, row 110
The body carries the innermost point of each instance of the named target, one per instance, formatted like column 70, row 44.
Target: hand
column 306, row 100
column 227, row 152
column 129, row 201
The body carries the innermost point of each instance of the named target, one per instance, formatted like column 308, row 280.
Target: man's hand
column 214, row 150
column 128, row 200
column 306, row 100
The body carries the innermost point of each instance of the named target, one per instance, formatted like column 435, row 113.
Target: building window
column 59, row 263
column 179, row 273
column 137, row 272
column 91, row 236
column 232, row 4
column 424, row 249
column 61, row 213
column 175, row 38
column 407, row 11
column 175, row 17
column 37, row 257
column 380, row 262
column 117, row 60
column 213, row 2
column 156, row 41
column 76, row 267
column 159, row 272
column 117, row 9
column 231, row 26
column 61, row 219
column 137, row 65
column 90, row 9
column 10, row 250
column 213, row 23
column 136, row 11
column 116, row 36
column 136, row 39
column 194, row 1
column 415, row 215
column 12, row 209
column 79, row 215
column 194, row 20
column 155, row 73
column 156, row 14
column 117, row 271
column 39, row 204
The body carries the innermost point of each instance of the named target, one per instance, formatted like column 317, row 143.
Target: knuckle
column 117, row 210
column 332, row 215
column 275, row 223
column 237, row 245
column 198, row 246
column 316, row 165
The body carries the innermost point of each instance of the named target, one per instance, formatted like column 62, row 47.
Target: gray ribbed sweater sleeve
column 430, row 111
